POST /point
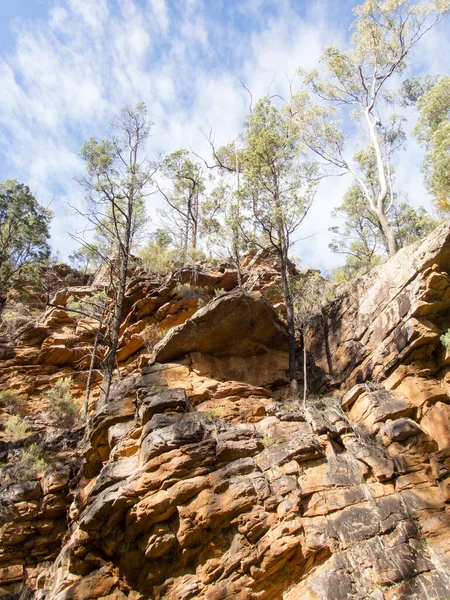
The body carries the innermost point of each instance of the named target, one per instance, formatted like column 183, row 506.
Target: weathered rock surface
column 197, row 481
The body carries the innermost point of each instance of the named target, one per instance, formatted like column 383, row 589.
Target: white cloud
column 69, row 74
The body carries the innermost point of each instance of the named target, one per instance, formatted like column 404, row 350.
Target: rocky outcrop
column 199, row 479
column 389, row 320
column 297, row 505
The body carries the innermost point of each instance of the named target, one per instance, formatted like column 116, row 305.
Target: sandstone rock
column 236, row 324
column 436, row 423
column 173, row 400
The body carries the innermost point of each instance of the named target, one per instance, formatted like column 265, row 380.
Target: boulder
column 235, row 324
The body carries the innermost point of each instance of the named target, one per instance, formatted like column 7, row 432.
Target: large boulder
column 235, row 324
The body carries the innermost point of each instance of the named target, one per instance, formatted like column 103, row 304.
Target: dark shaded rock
column 173, row 400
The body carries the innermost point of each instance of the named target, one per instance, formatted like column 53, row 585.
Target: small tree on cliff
column 183, row 200
column 274, row 172
column 385, row 32
column 116, row 183
column 24, row 232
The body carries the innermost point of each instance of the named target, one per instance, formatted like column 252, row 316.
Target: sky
column 67, row 67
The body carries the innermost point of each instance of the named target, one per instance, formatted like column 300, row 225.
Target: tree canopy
column 384, row 33
column 24, row 230
column 433, row 130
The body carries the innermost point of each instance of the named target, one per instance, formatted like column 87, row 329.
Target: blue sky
column 68, row 66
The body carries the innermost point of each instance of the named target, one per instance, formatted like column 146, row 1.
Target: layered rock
column 186, row 505
column 199, row 481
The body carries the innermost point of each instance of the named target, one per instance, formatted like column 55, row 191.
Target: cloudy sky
column 68, row 66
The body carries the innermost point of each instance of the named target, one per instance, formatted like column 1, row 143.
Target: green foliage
column 157, row 259
column 117, row 185
column 185, row 203
column 63, row 409
column 34, row 460
column 31, row 462
column 12, row 401
column 12, row 319
column 361, row 239
column 91, row 306
column 275, row 178
column 219, row 292
column 311, row 292
column 186, row 290
column 24, row 230
column 384, row 34
column 445, row 339
column 15, row 428
column 433, row 131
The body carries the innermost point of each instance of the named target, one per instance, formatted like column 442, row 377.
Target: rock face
column 186, row 505
column 390, row 318
column 198, row 481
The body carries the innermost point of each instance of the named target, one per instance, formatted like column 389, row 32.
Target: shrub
column 15, row 428
column 157, row 259
column 92, row 306
column 12, row 401
column 13, row 319
column 219, row 292
column 33, row 460
column 186, row 290
column 445, row 339
column 151, row 336
column 63, row 409
column 30, row 462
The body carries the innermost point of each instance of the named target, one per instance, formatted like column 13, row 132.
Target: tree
column 24, row 231
column 433, row 131
column 117, row 182
column 385, row 32
column 275, row 173
column 183, row 199
column 311, row 293
column 362, row 238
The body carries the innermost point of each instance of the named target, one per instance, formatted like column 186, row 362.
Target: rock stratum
column 199, row 479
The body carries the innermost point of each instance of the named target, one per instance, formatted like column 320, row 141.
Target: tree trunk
column 195, row 221
column 380, row 208
column 305, row 371
column 290, row 316
column 388, row 233
column 110, row 359
column 91, row 370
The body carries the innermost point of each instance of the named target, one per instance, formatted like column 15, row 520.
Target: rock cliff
column 201, row 479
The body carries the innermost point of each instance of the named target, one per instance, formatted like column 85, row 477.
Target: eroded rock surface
column 197, row 480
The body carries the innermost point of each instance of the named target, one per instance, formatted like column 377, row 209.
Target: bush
column 186, row 290
column 63, row 409
column 92, row 306
column 31, row 461
column 14, row 318
column 12, row 401
column 157, row 259
column 16, row 428
column 219, row 292
column 445, row 339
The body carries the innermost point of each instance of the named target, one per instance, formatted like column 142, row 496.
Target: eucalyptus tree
column 433, row 131
column 275, row 172
column 384, row 34
column 117, row 181
column 24, row 231
column 183, row 199
column 361, row 238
